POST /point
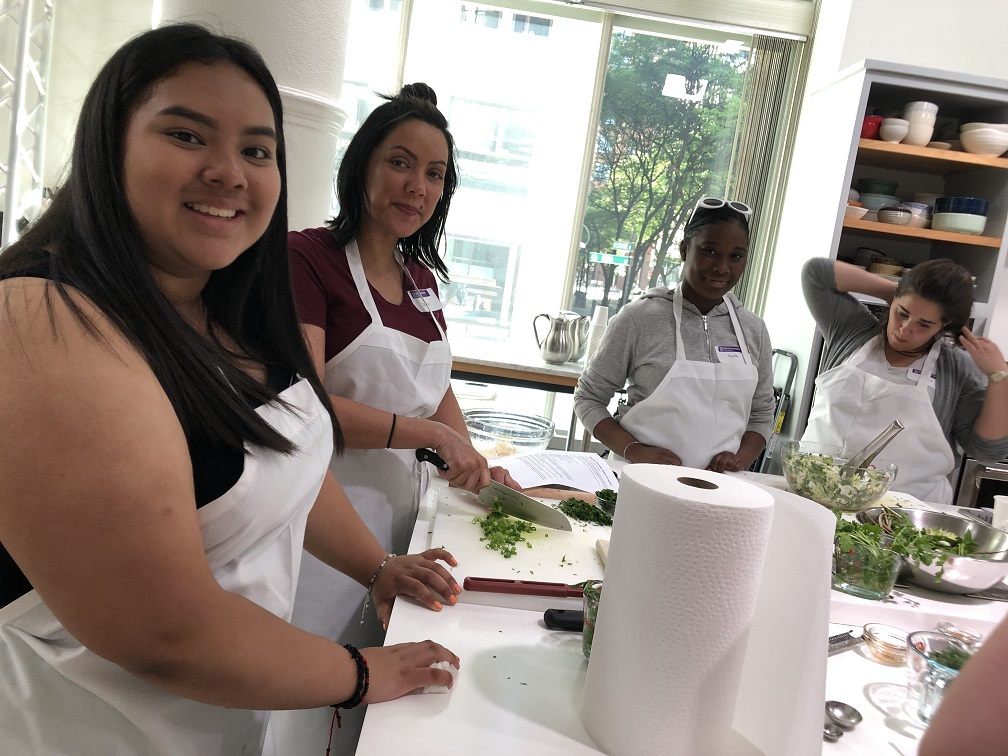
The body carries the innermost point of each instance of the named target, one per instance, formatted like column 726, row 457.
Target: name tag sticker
column 913, row 374
column 730, row 354
column 425, row 300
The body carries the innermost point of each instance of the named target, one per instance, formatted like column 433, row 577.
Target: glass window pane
column 664, row 140
column 519, row 131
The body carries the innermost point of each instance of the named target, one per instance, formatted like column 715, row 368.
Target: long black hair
column 88, row 240
column 415, row 101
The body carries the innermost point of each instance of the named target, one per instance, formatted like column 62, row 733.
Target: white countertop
column 519, row 686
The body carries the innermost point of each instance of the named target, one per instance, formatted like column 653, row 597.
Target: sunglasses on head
column 713, row 203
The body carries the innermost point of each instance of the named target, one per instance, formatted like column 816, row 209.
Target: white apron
column 396, row 372
column 852, row 406
column 700, row 408
column 57, row 697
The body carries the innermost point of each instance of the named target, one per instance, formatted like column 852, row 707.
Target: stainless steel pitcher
column 557, row 346
column 577, row 332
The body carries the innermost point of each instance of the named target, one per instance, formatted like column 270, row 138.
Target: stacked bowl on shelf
column 921, row 117
column 964, row 215
column 990, row 139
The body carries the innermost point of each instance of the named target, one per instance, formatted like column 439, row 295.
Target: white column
column 304, row 44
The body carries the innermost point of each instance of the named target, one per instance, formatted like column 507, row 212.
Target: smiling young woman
column 696, row 363
column 906, row 367
column 166, row 438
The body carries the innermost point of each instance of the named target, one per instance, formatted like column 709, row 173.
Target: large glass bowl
column 814, row 471
column 498, row 434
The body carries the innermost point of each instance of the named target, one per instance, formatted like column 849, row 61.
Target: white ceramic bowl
column 926, row 198
column 893, row 129
column 990, row 142
column 874, row 201
column 980, row 125
column 920, row 214
column 962, row 223
column 919, row 134
column 855, row 212
column 923, row 106
column 919, row 116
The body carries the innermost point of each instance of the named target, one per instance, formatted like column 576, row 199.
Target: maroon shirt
column 327, row 297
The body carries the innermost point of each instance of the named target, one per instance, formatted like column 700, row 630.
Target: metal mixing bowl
column 961, row 574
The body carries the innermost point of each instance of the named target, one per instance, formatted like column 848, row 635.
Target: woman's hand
column 655, row 455
column 726, row 462
column 501, row 475
column 418, row 576
column 397, row 670
column 467, row 468
column 985, row 353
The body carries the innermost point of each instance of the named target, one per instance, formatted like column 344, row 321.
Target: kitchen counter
column 519, row 685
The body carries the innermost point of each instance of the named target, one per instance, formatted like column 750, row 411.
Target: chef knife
column 510, row 501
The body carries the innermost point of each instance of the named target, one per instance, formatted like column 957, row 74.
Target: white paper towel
column 779, row 708
column 599, row 321
column 678, row 598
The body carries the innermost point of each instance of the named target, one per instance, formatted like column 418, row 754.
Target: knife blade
column 510, row 501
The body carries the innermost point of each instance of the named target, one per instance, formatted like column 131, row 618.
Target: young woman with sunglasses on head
column 906, row 367
column 696, row 363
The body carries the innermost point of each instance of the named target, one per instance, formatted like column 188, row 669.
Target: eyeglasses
column 713, row 203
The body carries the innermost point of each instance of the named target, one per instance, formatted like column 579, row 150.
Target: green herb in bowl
column 821, row 478
column 953, row 658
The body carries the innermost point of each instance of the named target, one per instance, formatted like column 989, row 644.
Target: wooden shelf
column 908, row 157
column 928, row 234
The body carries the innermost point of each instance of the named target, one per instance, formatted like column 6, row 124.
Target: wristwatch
column 1000, row 375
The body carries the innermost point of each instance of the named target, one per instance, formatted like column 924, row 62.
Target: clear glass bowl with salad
column 816, row 472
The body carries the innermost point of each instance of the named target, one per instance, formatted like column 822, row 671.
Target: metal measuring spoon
column 830, row 732
column 843, row 715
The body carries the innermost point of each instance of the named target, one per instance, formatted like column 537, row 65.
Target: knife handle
column 522, row 587
column 564, row 619
column 429, row 455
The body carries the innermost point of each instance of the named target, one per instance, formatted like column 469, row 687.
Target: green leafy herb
column 953, row 658
column 606, row 500
column 502, row 533
column 582, row 510
column 819, row 477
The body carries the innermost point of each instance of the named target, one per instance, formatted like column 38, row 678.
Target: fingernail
column 437, row 606
column 452, row 600
column 458, row 588
column 454, row 562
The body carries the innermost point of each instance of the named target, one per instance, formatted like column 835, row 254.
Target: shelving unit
column 905, row 232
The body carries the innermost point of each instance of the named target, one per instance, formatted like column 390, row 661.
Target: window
column 534, row 25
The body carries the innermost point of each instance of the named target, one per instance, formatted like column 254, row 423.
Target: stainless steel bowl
column 961, row 574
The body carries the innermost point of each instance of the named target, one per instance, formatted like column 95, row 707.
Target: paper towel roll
column 679, row 594
column 599, row 321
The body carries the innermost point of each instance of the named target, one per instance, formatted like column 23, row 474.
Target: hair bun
column 420, row 91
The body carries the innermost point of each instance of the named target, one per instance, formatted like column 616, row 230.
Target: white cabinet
column 830, row 156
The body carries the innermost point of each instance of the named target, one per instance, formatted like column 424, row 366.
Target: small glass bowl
column 885, row 644
column 967, row 635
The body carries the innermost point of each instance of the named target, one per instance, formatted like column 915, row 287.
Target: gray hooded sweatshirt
column 639, row 347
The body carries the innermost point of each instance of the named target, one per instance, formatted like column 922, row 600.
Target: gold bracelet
column 627, row 447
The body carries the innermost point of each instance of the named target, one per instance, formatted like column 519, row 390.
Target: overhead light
column 675, row 86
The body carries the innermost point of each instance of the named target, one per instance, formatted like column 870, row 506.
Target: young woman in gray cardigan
column 919, row 365
column 696, row 363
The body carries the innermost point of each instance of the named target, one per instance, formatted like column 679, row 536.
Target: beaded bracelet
column 360, row 691
column 367, row 599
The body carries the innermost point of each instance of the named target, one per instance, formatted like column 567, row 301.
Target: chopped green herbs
column 953, row 658
column 607, row 500
column 582, row 510
column 502, row 533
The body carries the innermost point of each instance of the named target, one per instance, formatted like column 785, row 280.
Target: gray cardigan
column 639, row 347
column 960, row 387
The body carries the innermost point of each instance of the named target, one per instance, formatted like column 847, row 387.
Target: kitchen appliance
column 979, row 482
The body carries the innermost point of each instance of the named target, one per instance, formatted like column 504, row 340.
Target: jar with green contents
column 592, row 594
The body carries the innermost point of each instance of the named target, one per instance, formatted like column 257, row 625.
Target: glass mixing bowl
column 495, row 433
column 813, row 471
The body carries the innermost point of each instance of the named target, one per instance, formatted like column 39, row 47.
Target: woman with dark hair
column 906, row 367
column 696, row 363
column 163, row 462
column 368, row 302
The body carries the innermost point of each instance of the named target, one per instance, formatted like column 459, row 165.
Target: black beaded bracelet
column 363, row 682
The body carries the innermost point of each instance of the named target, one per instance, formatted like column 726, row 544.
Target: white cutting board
column 556, row 556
